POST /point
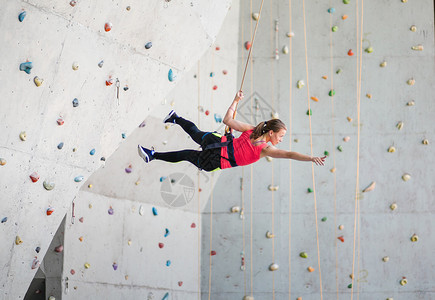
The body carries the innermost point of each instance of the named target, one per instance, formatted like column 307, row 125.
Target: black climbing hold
column 75, row 102
column 38, row 249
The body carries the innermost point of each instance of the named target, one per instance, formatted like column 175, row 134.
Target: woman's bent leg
column 177, row 156
column 191, row 129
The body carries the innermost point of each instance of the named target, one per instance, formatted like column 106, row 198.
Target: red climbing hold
column 108, row 26
column 193, row 225
column 215, row 87
column 34, row 176
column 109, row 82
column 218, row 48
column 225, row 72
column 161, row 245
column 50, row 210
column 350, row 52
column 72, row 272
column 60, row 121
column 247, row 45
column 207, row 112
column 212, row 252
column 341, row 238
column 180, row 283
column 81, row 220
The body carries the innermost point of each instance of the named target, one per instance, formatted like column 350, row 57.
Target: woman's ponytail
column 264, row 127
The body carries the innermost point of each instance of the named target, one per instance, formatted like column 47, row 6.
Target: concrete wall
column 55, row 36
column 131, row 236
column 383, row 232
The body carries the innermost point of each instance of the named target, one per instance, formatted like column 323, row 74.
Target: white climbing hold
column 300, row 84
column 255, row 16
column 290, row 34
column 235, row 209
column 411, row 103
column 273, row 267
column 371, row 187
column 285, row 50
column 273, row 188
column 75, row 66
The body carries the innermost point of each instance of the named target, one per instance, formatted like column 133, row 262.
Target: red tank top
column 245, row 152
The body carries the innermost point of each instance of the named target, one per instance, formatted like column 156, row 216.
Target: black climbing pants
column 207, row 160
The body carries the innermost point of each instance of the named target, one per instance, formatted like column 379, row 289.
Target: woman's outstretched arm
column 232, row 123
column 278, row 153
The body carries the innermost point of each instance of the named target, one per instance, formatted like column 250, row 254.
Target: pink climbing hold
column 81, row 220
column 60, row 121
column 72, row 272
column 180, row 283
column 58, row 249
column 34, row 176
column 225, row 72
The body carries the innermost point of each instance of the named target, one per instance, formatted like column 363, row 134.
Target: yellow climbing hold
column 406, row 177
column 385, row 259
column 23, row 136
column 411, row 81
column 399, row 125
column 383, row 64
column 333, row 170
column 417, row 48
column 269, row 235
column 414, row 238
column 349, row 119
column 411, row 103
column 392, row 149
column 393, row 206
column 300, row 84
column 18, row 240
column 87, row 265
column 404, row 281
column 2, row 161
column 425, row 142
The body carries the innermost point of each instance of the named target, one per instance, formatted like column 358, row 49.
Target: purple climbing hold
column 128, row 169
column 115, row 266
column 142, row 124
column 110, row 211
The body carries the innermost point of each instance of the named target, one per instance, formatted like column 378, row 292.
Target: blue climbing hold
column 331, row 10
column 166, row 232
column 168, row 263
column 75, row 102
column 123, row 135
column 218, row 118
column 162, row 178
column 78, row 178
column 148, row 45
column 166, row 296
column 4, row 219
column 60, row 146
column 155, row 211
column 211, row 74
column 21, row 16
column 26, row 67
column 171, row 75
column 92, row 152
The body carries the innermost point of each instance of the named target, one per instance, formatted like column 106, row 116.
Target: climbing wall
column 264, row 218
column 78, row 79
column 136, row 225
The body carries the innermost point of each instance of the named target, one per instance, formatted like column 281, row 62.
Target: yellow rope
column 311, row 147
column 290, row 148
column 199, row 203
column 252, row 172
column 272, row 77
column 333, row 152
column 358, row 96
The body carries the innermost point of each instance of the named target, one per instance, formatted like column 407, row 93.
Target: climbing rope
column 359, row 29
column 290, row 149
column 311, row 148
column 199, row 201
column 272, row 81
column 227, row 129
column 333, row 152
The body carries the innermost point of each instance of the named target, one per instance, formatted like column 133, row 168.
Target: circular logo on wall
column 177, row 189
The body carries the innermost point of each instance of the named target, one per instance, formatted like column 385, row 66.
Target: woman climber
column 221, row 152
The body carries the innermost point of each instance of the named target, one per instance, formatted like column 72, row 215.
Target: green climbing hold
column 324, row 219
column 334, row 28
column 303, row 254
column 309, row 190
column 349, row 286
column 369, row 49
column 309, row 112
column 339, row 71
column 346, row 1
column 331, row 93
column 340, row 148
column 326, row 153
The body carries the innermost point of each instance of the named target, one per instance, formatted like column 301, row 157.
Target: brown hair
column 263, row 127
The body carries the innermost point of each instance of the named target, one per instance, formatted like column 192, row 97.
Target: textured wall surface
column 383, row 232
column 55, row 36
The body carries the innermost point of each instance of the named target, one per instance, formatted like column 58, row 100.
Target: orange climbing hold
column 341, row 238
column 315, row 99
column 344, row 17
column 350, row 52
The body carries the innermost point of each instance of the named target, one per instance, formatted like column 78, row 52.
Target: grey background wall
column 130, row 237
column 382, row 232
